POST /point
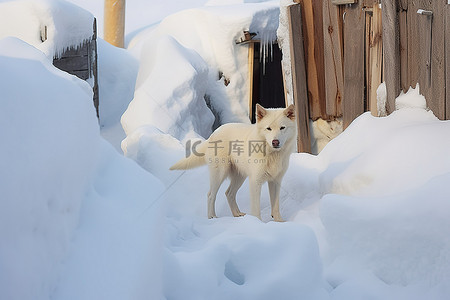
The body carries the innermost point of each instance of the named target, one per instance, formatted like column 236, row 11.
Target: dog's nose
column 275, row 143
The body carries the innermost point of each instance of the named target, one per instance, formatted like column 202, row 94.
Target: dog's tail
column 194, row 160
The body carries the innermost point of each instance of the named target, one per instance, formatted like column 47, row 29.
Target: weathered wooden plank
column 391, row 52
column 333, row 59
column 83, row 74
column 376, row 58
column 94, row 66
column 300, row 90
column 313, row 43
column 368, row 72
column 72, row 63
column 437, row 104
column 340, row 2
column 413, row 47
column 251, row 53
column 403, row 30
column 447, row 62
column 353, row 104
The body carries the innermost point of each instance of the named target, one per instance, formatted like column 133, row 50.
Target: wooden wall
column 422, row 54
column 350, row 49
column 81, row 61
column 343, row 57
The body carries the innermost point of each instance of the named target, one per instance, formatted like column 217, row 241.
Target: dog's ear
column 290, row 112
column 260, row 112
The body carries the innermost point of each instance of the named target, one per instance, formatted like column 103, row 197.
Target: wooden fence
column 348, row 50
column 417, row 50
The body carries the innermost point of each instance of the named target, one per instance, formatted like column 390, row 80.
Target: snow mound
column 77, row 221
column 171, row 101
column 67, row 25
column 243, row 258
column 379, row 191
column 412, row 99
column 50, row 143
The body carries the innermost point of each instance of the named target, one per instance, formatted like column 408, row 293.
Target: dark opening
column 268, row 87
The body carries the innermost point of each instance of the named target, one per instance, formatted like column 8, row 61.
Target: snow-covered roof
column 64, row 24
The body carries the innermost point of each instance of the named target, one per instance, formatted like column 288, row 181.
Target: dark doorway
column 268, row 87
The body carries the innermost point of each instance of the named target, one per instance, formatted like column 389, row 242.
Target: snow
column 367, row 218
column 68, row 26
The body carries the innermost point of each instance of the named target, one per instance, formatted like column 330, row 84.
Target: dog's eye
column 268, row 128
column 282, row 127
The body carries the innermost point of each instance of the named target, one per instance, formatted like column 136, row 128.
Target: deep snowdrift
column 60, row 181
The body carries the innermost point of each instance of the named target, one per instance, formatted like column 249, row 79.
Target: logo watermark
column 231, row 152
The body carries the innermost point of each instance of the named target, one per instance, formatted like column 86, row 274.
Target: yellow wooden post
column 114, row 26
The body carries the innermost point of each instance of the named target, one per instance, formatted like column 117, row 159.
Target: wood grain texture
column 300, row 90
column 375, row 59
column 314, row 54
column 354, row 58
column 391, row 52
column 333, row 59
column 447, row 61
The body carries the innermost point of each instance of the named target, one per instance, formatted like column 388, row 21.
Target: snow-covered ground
column 367, row 218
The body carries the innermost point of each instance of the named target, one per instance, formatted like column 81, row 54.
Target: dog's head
column 276, row 125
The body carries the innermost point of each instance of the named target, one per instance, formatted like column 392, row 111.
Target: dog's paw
column 278, row 219
column 239, row 214
column 212, row 217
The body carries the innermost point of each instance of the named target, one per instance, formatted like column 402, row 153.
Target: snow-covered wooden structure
column 81, row 61
column 64, row 32
column 350, row 47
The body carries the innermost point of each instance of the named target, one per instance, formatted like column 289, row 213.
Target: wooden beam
column 437, row 104
column 333, row 59
column 391, row 52
column 300, row 90
column 251, row 56
column 404, row 63
column 114, row 22
column 375, row 59
column 354, row 32
column 447, row 62
column 312, row 22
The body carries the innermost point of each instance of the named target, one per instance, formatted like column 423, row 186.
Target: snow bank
column 204, row 52
column 117, row 73
column 377, row 198
column 50, row 143
column 68, row 25
column 77, row 221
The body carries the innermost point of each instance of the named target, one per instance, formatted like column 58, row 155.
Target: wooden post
column 251, row 59
column 333, row 57
column 299, row 83
column 438, row 80
column 312, row 22
column 114, row 25
column 375, row 58
column 447, row 61
column 354, row 60
column 391, row 52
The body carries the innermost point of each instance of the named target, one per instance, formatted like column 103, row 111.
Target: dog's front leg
column 255, row 195
column 274, row 191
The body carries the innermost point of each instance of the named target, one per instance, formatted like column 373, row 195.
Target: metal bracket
column 425, row 12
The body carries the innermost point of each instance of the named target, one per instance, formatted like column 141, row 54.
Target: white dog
column 259, row 151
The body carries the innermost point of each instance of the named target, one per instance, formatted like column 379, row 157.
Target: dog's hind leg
column 216, row 177
column 236, row 182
